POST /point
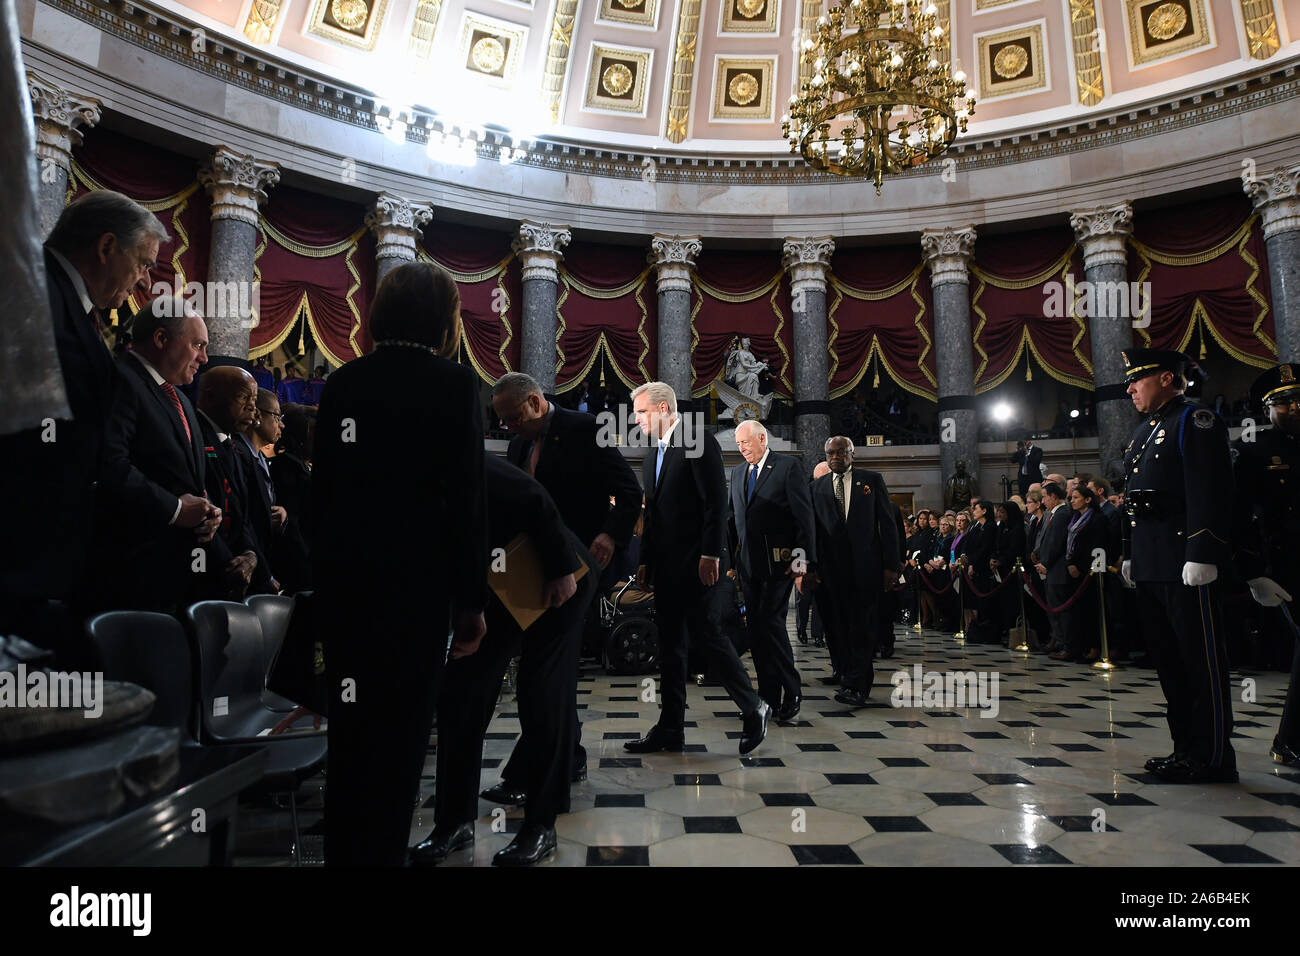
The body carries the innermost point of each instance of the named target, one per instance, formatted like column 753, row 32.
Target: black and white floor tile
column 1055, row 778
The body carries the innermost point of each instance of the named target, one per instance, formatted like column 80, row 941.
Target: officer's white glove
column 1195, row 574
column 1267, row 592
column 1126, row 572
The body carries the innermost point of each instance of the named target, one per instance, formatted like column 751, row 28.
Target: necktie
column 753, row 477
column 659, row 462
column 839, row 497
column 532, row 459
column 170, row 390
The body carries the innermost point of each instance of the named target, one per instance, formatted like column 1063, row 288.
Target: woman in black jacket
column 1087, row 533
column 980, row 545
column 1010, row 545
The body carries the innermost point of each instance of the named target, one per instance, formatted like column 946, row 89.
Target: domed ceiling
column 718, row 74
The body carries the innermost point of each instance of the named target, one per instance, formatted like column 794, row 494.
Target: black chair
column 273, row 612
column 150, row 650
column 227, row 640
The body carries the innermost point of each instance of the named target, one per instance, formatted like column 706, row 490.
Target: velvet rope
column 985, row 594
column 925, row 579
column 1083, row 585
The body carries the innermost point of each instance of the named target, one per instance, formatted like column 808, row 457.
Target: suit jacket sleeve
column 647, row 529
column 122, row 482
column 1207, row 476
column 800, row 498
column 712, row 480
column 886, row 528
column 1247, row 541
column 547, row 530
column 619, row 480
column 467, row 505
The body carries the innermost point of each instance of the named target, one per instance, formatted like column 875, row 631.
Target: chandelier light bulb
column 938, row 32
column 959, row 77
column 819, row 63
column 896, row 61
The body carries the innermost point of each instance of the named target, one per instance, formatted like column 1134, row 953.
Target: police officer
column 1177, row 533
column 1266, row 523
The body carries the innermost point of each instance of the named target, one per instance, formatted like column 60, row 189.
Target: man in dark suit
column 681, row 547
column 1049, row 560
column 548, row 658
column 101, row 250
column 560, row 448
column 152, row 507
column 857, row 542
column 890, row 600
column 771, row 511
column 227, row 404
column 266, row 518
column 1028, row 458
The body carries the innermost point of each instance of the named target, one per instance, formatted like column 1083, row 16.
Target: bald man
column 775, row 537
column 227, row 405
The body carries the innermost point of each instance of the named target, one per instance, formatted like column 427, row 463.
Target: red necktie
column 170, row 389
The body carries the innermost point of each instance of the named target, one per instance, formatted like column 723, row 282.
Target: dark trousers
column 1082, row 622
column 547, row 698
column 767, row 602
column 1288, row 729
column 886, row 611
column 851, row 627
column 806, row 615
column 378, row 740
column 677, row 601
column 1185, row 636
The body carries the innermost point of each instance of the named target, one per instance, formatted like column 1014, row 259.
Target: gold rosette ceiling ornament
column 878, row 101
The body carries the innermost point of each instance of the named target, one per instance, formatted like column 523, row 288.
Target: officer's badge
column 1203, row 418
column 1234, row 453
column 1286, row 375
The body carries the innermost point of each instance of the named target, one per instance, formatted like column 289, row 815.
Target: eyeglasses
column 276, row 415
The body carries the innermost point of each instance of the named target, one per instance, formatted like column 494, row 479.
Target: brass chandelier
column 879, row 101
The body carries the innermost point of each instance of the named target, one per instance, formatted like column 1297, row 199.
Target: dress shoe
column 1060, row 656
column 1191, row 770
column 440, row 843
column 531, row 845
column 832, row 681
column 887, row 651
column 1091, row 656
column 1156, row 764
column 505, row 794
column 803, row 637
column 579, row 773
column 851, row 697
column 656, row 741
column 1281, row 753
column 790, row 710
column 819, row 642
column 754, row 728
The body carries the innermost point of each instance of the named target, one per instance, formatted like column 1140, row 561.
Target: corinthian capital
column 1277, row 197
column 948, row 252
column 540, row 246
column 675, row 258
column 807, row 261
column 60, row 116
column 1102, row 233
column 396, row 223
column 237, row 184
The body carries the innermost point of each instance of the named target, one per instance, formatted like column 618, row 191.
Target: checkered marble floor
column 908, row 786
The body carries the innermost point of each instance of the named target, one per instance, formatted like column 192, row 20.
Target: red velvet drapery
column 878, row 305
column 607, row 305
column 487, row 275
column 741, row 295
column 1013, row 279
column 316, row 260
column 1208, row 271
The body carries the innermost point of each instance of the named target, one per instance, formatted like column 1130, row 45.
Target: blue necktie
column 659, row 462
column 753, row 477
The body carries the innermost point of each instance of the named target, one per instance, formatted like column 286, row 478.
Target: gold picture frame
column 1012, row 62
column 1161, row 29
column 618, row 79
column 354, row 23
column 742, row 89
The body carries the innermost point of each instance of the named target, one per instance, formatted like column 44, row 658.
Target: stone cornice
column 237, row 64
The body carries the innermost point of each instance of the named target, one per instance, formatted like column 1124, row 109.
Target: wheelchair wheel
column 632, row 647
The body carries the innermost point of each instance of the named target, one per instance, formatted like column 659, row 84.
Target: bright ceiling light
column 1002, row 413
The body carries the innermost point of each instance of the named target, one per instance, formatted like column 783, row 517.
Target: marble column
column 539, row 246
column 806, row 260
column 60, row 117
column 236, row 182
column 397, row 224
column 947, row 252
column 1277, row 197
column 1102, row 234
column 674, row 258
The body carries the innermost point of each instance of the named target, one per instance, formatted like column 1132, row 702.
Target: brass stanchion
column 1023, row 646
column 1105, row 664
column 919, row 584
column 960, row 636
